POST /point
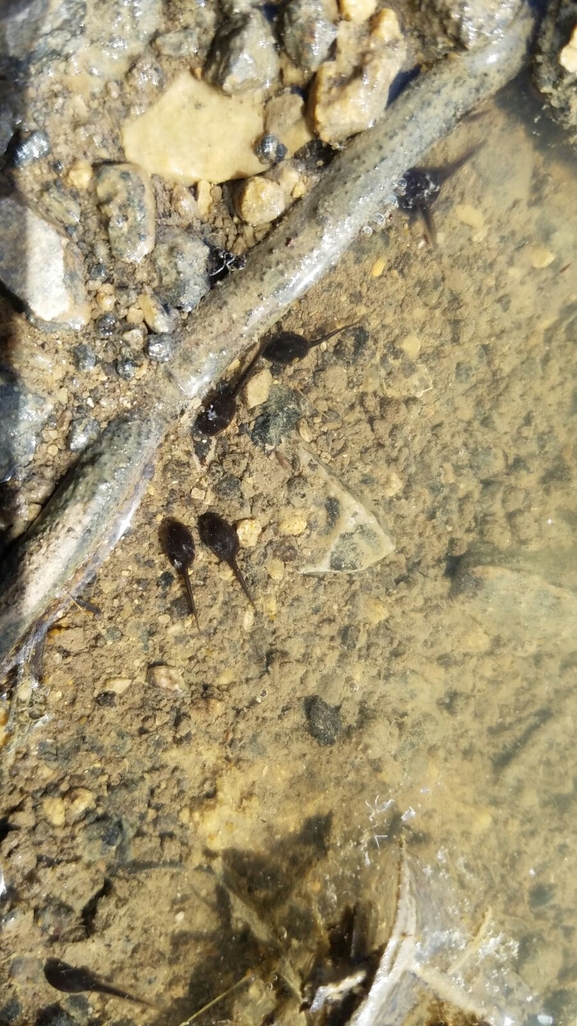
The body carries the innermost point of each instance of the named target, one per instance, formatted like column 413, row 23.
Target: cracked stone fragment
column 344, row 537
column 307, row 33
column 181, row 260
column 243, row 55
column 40, row 265
column 126, row 199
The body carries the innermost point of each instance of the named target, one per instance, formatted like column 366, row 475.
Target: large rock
column 40, row 265
column 243, row 56
column 23, row 416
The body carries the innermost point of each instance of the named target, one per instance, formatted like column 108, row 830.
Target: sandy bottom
column 173, row 830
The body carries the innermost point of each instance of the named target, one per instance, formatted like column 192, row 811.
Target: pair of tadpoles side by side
column 218, row 535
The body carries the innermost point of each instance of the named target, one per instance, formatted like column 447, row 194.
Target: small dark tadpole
column 178, row 544
column 222, row 539
column 71, row 979
column 419, row 190
column 287, row 347
column 219, row 411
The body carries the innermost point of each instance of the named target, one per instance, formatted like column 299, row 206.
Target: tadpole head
column 220, row 537
column 178, row 543
column 217, row 414
column 286, row 347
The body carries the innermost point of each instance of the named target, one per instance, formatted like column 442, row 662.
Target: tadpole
column 222, row 539
column 419, row 190
column 221, row 408
column 288, row 346
column 71, row 979
column 178, row 544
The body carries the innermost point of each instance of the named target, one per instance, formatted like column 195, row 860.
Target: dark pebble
column 126, row 368
column 281, row 414
column 270, row 150
column 229, row 487
column 84, row 357
column 165, row 580
column 11, row 1011
column 160, row 348
column 54, row 1015
column 25, row 149
column 106, row 325
column 54, row 917
column 323, row 720
column 350, row 635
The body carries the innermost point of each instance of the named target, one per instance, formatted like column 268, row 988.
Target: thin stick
column 225, row 993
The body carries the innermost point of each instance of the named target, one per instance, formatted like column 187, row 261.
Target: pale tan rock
column 411, row 345
column 194, row 132
column 249, row 531
column 117, row 684
column 351, row 92
column 568, row 55
column 378, row 267
column 203, row 198
column 257, row 389
column 541, row 257
column 469, row 215
column 260, row 201
column 357, row 10
column 55, row 811
column 169, row 678
column 285, row 118
column 78, row 801
column 275, row 568
column 392, row 484
column 79, row 174
column 291, row 523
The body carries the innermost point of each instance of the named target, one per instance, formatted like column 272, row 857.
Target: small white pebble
column 292, row 523
column 55, row 811
column 166, row 677
column 257, row 388
column 411, row 345
column 80, row 174
column 248, row 531
column 541, row 257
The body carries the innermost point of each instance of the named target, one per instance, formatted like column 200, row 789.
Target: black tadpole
column 420, row 187
column 178, row 544
column 70, row 979
column 222, row 539
column 287, row 346
column 220, row 409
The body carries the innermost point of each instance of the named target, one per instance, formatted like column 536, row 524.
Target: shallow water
column 177, row 836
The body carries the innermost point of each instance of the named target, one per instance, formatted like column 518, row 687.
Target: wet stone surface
column 181, row 261
column 306, row 32
column 23, row 417
column 243, row 56
column 127, row 202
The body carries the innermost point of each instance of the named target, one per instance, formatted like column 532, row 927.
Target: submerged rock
column 126, row 199
column 555, row 63
column 24, row 414
column 181, row 137
column 351, row 92
column 323, row 720
column 306, row 33
column 260, row 201
column 40, row 265
column 243, row 55
column 181, row 261
column 470, row 23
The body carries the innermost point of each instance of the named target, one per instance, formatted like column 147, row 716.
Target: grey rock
column 26, row 149
column 126, row 367
column 243, row 56
column 81, row 433
column 61, row 206
column 195, row 39
column 160, row 348
column 470, row 23
column 24, row 414
column 118, row 32
column 84, row 357
column 323, row 720
column 40, row 265
column 270, row 150
column 306, row 33
column 181, row 262
column 126, row 199
column 39, row 32
column 107, row 325
column 283, row 410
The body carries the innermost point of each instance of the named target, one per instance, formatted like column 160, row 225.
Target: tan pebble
column 269, row 606
column 184, row 203
column 55, row 811
column 260, row 201
column 378, row 267
column 52, row 450
column 292, row 523
column 357, row 10
column 248, row 531
column 392, row 484
column 541, row 257
column 257, row 388
column 386, row 27
column 299, row 189
column 275, row 568
column 79, row 801
column 228, row 676
column 105, row 301
column 134, row 315
column 568, row 55
column 118, row 685
column 62, row 396
column 471, row 216
column 166, row 677
column 448, row 474
column 184, row 816
column 79, row 174
column 375, row 611
column 203, row 198
column 248, row 619
column 411, row 345
column 304, row 431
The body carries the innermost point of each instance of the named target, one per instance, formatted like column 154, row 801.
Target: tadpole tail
column 108, row 988
column 242, row 582
column 429, row 222
column 329, row 334
column 190, row 597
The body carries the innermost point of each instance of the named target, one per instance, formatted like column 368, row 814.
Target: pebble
column 78, row 802
column 127, row 201
column 257, row 388
column 292, row 523
column 195, row 39
column 243, row 55
column 126, row 368
column 285, row 119
column 357, row 10
column 26, row 149
column 81, row 433
column 24, row 415
column 180, row 137
column 411, row 345
column 160, row 348
column 352, row 91
column 118, row 32
column 80, row 174
column 323, row 720
column 249, row 531
column 275, row 568
column 568, row 55
column 159, row 318
column 260, row 201
column 541, row 257
column 378, row 267
column 118, row 685
column 48, row 274
column 471, row 216
column 282, row 412
column 203, row 198
column 84, row 357
column 61, row 206
column 55, row 811
column 181, row 262
column 306, row 33
column 169, row 678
